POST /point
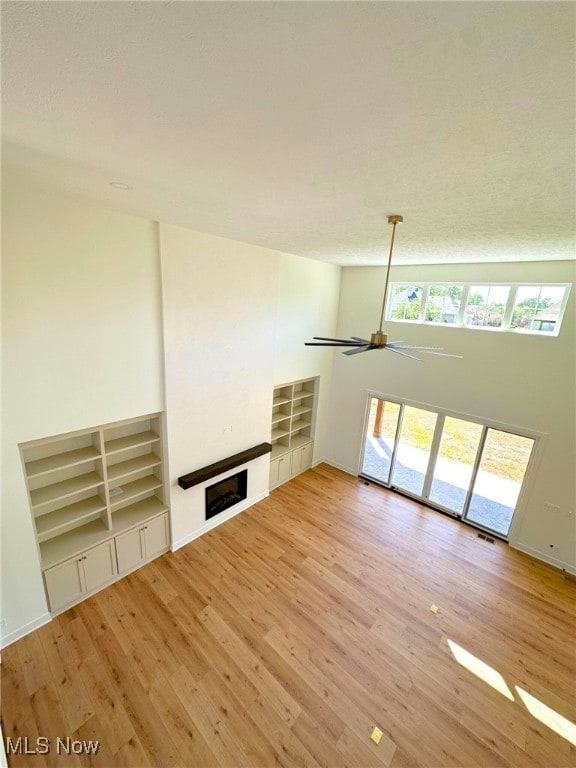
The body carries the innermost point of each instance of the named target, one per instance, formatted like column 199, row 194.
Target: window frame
column 506, row 325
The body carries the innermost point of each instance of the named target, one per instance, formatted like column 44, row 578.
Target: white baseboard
column 16, row 634
column 215, row 522
column 348, row 470
column 545, row 557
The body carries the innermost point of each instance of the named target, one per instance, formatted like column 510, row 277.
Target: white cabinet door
column 99, row 565
column 307, row 452
column 156, row 535
column 135, row 546
column 130, row 549
column 296, row 461
column 68, row 582
column 65, row 582
column 302, row 458
column 274, row 473
column 284, row 468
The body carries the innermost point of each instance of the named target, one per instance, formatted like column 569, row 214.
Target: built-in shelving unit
column 87, row 487
column 292, row 434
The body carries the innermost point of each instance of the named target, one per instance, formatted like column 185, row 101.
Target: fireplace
column 226, row 493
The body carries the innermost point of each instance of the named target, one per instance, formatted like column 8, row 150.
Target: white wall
column 308, row 295
column 525, row 381
column 235, row 320
column 81, row 346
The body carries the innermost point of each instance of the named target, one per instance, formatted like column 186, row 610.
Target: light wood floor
column 285, row 635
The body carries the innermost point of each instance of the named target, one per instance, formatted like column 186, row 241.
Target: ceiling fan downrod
column 378, row 339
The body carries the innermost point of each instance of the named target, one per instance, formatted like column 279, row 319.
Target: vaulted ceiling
column 301, row 125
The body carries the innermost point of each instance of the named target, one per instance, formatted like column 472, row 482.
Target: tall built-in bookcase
column 98, row 504
column 292, row 436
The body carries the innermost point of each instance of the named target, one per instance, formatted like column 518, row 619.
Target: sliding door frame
column 486, row 424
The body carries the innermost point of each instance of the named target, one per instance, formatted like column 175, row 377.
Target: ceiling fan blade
column 440, row 354
column 342, row 341
column 424, row 350
column 332, row 344
column 392, row 349
column 402, row 345
column 363, row 348
column 357, row 338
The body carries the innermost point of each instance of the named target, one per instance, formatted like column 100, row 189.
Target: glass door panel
column 413, row 449
column 454, row 463
column 380, row 439
column 499, row 479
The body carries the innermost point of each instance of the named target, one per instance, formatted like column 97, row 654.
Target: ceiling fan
column 378, row 339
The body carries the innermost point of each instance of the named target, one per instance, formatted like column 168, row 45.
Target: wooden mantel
column 212, row 470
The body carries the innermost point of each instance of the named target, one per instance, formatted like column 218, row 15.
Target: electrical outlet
column 2, row 623
column 551, row 507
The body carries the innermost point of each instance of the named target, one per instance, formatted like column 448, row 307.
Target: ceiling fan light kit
column 378, row 339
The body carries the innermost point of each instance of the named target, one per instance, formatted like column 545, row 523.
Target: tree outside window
column 486, row 305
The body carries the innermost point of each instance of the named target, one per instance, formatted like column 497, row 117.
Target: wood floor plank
column 18, row 717
column 222, row 743
column 357, row 750
column 254, row 744
column 120, row 618
column 261, row 678
column 284, row 635
column 73, row 698
column 149, row 729
column 193, row 749
column 34, row 662
column 106, row 702
column 93, row 734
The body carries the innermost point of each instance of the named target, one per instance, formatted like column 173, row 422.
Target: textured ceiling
column 300, row 125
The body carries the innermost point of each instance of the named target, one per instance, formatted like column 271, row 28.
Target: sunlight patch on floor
column 482, row 670
column 552, row 719
column 545, row 714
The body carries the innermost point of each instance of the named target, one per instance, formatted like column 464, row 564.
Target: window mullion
column 425, row 287
column 511, row 303
column 463, row 303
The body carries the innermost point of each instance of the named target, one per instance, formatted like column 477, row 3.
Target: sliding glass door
column 471, row 470
column 454, row 465
column 412, row 454
column 499, row 478
column 380, row 439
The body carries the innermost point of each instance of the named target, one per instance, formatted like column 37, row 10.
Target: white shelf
column 73, row 542
column 278, row 450
column 61, row 461
column 135, row 488
column 137, row 513
column 298, row 425
column 301, row 394
column 68, row 518
column 299, row 440
column 62, row 490
column 73, row 514
column 123, row 468
column 130, row 441
column 299, row 404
